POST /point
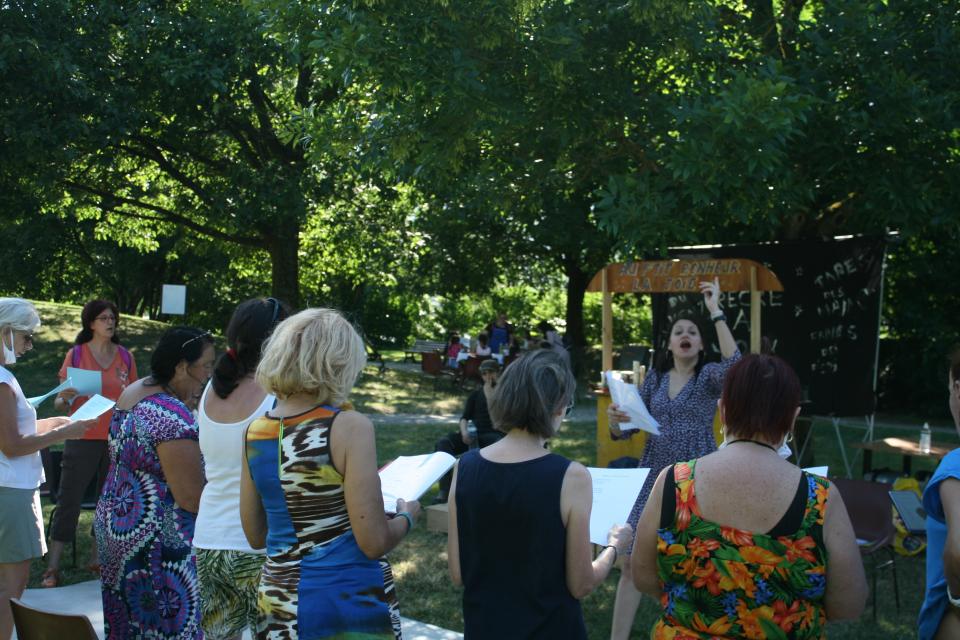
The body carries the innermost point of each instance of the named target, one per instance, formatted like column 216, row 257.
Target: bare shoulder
column 353, row 426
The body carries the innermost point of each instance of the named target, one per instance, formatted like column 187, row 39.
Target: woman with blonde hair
column 21, row 472
column 310, row 492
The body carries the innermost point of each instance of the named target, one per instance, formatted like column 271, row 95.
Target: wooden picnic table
column 909, row 449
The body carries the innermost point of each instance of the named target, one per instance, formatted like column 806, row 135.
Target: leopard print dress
column 316, row 582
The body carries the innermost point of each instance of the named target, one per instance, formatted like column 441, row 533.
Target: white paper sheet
column 817, row 471
column 614, row 493
column 628, row 400
column 37, row 400
column 87, row 383
column 96, row 406
column 409, row 477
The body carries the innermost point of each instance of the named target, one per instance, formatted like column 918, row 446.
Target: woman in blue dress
column 681, row 394
column 310, row 493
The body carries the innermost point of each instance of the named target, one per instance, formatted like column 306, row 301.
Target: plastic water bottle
column 925, row 438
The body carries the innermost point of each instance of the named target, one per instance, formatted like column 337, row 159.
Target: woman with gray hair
column 21, row 472
column 519, row 528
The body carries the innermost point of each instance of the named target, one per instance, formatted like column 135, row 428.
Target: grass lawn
column 419, row 563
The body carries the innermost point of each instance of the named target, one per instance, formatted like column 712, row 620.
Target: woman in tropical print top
column 741, row 543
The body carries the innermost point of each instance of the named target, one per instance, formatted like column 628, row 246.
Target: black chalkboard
column 824, row 322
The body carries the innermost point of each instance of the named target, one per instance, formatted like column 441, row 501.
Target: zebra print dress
column 316, row 582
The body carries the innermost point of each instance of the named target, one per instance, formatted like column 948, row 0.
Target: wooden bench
column 422, row 346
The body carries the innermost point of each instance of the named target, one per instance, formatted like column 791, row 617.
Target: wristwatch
column 718, row 316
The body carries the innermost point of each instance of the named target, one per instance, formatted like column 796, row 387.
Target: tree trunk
column 284, row 248
column 577, row 281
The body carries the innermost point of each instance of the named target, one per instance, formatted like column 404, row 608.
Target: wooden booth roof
column 671, row 276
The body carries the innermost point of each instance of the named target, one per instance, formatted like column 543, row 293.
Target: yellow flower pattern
column 722, row 582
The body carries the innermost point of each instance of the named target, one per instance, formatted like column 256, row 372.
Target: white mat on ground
column 84, row 598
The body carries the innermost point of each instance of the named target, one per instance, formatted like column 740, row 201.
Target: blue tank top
column 513, row 550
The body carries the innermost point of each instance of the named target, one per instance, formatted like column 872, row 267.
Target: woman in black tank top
column 519, row 516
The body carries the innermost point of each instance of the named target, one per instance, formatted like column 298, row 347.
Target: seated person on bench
column 458, row 442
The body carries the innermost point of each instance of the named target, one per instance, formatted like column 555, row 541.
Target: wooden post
column 607, row 325
column 754, row 312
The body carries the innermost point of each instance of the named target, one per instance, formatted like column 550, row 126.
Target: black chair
column 869, row 506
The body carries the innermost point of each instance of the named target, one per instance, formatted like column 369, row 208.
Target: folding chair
column 36, row 624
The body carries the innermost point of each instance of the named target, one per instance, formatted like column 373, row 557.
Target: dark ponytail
column 252, row 323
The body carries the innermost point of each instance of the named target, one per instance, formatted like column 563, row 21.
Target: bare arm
column 49, row 430
column 584, row 572
column 453, row 538
column 354, row 452
column 253, row 519
column 463, row 431
column 711, row 298
column 643, row 559
column 846, row 592
column 950, row 498
column 183, row 468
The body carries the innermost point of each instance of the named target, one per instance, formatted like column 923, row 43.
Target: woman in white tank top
column 228, row 569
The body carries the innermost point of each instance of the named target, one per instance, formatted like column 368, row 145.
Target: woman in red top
column 97, row 348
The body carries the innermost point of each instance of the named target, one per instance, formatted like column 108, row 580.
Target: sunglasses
column 205, row 334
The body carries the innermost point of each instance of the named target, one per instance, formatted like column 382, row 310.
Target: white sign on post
column 174, row 299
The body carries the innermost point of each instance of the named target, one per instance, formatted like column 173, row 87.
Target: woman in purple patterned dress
column 681, row 394
column 145, row 517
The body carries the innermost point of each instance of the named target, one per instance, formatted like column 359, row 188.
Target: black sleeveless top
column 513, row 550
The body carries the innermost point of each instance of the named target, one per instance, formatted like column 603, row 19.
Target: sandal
column 50, row 579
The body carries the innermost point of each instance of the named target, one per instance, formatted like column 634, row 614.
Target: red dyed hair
column 760, row 395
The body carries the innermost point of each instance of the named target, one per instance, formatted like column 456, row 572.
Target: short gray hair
column 531, row 391
column 316, row 351
column 18, row 314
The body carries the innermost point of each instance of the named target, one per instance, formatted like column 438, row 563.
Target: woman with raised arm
column 146, row 514
column 519, row 516
column 310, row 492
column 21, row 472
column 228, row 569
column 681, row 393
column 741, row 543
column 97, row 348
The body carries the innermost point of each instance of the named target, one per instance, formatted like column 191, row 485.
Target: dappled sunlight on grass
column 394, row 392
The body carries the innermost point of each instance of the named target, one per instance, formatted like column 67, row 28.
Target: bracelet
column 955, row 602
column 616, row 554
column 409, row 518
column 718, row 316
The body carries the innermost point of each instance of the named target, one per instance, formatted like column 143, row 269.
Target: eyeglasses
column 568, row 409
column 106, row 318
column 205, row 334
column 28, row 338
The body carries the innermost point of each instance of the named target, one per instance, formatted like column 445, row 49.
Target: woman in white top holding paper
column 681, row 394
column 21, row 472
column 97, row 350
column 227, row 568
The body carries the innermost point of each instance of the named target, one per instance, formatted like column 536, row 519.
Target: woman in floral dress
column 681, row 394
column 145, row 516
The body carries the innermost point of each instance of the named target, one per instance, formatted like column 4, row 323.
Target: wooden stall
column 669, row 276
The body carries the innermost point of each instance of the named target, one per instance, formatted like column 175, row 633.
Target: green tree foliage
column 802, row 119
column 170, row 117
